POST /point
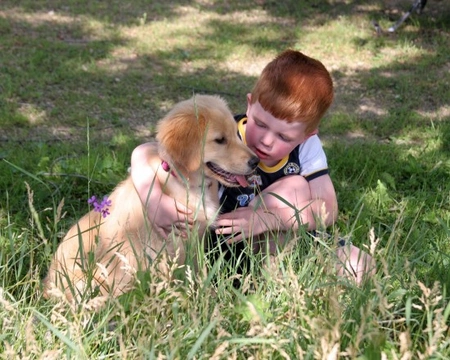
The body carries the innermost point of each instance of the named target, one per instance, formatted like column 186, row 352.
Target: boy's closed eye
column 285, row 138
column 260, row 124
column 282, row 137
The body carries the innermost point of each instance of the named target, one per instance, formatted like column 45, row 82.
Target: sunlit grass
column 84, row 83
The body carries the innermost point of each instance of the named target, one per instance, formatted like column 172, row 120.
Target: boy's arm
column 313, row 203
column 162, row 210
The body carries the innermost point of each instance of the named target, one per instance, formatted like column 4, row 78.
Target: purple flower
column 105, row 212
column 102, row 207
column 105, row 202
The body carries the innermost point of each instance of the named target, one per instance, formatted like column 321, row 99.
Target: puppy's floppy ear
column 181, row 136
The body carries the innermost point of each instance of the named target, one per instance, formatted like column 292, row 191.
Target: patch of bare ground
column 58, row 133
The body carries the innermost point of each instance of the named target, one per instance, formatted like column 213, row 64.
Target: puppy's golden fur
column 198, row 141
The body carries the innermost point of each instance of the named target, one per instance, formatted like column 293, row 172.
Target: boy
column 292, row 182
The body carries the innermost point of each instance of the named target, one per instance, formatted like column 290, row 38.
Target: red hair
column 295, row 88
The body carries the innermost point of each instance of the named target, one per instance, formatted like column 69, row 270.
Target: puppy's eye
column 221, row 140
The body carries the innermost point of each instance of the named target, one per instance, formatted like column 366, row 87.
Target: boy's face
column 271, row 138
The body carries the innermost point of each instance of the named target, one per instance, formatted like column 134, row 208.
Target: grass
column 83, row 83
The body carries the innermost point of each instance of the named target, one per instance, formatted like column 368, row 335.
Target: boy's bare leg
column 354, row 263
column 271, row 248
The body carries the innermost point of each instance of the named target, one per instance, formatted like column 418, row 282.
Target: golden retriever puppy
column 197, row 146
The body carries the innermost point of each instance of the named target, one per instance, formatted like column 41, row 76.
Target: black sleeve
column 316, row 174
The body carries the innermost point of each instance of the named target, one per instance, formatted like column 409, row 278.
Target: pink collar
column 166, row 167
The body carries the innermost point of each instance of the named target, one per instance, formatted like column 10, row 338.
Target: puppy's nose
column 253, row 162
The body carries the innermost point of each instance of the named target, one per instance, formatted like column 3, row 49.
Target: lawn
column 84, row 82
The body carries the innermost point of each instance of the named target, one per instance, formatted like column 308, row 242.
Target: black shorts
column 235, row 255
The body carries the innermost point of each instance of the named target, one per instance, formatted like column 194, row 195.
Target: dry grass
column 84, row 82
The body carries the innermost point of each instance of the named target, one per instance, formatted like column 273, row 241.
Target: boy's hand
column 165, row 214
column 244, row 222
column 169, row 216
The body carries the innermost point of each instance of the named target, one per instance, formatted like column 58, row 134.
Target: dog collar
column 166, row 167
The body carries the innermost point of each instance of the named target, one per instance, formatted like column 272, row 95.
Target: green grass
column 82, row 83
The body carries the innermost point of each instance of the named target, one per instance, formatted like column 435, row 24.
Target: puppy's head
column 200, row 134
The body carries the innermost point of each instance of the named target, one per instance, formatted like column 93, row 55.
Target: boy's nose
column 267, row 140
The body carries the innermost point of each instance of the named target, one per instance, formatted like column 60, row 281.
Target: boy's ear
column 249, row 102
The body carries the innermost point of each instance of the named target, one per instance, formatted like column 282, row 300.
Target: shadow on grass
column 58, row 77
column 53, row 87
column 53, row 56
